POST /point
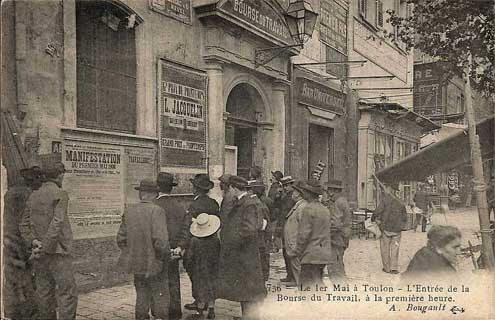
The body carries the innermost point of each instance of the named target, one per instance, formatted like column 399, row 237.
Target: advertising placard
column 182, row 110
column 333, row 25
column 94, row 181
column 140, row 163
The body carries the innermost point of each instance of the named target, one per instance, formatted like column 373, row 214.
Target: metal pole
column 479, row 181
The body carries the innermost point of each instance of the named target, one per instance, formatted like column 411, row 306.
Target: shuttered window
column 106, row 67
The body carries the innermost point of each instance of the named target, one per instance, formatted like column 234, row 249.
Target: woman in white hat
column 205, row 245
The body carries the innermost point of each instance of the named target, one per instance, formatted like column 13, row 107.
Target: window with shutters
column 106, row 66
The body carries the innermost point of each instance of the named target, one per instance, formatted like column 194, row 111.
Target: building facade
column 121, row 90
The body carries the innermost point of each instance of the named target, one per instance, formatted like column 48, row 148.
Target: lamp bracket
column 265, row 55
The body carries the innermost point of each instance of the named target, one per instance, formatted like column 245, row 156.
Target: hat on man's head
column 205, row 225
column 238, row 182
column 255, row 183
column 166, row 179
column 312, row 186
column 202, row 181
column 334, row 184
column 147, row 185
column 277, row 175
column 225, row 178
column 287, row 180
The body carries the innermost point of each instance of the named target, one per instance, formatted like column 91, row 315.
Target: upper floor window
column 106, row 66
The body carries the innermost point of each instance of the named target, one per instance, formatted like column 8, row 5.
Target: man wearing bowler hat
column 178, row 229
column 201, row 203
column 240, row 272
column 143, row 240
column 313, row 236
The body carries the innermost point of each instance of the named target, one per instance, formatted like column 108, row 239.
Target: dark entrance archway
column 245, row 107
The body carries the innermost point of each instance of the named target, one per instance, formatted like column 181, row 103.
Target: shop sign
column 259, row 15
column 182, row 113
column 176, row 9
column 333, row 25
column 427, row 89
column 94, row 179
column 316, row 95
column 377, row 50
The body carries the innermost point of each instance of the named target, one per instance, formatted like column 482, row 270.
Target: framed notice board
column 183, row 116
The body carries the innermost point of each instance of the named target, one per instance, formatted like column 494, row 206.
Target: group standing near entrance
column 225, row 248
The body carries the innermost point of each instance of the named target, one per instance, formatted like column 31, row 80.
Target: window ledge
column 109, row 133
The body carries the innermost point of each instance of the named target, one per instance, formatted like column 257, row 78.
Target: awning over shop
column 401, row 112
column 441, row 156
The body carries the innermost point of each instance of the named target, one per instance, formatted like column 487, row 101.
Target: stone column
column 279, row 89
column 70, row 64
column 216, row 125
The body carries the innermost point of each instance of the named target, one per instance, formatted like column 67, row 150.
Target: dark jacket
column 178, row 221
column 391, row 213
column 428, row 263
column 46, row 219
column 240, row 273
column 341, row 220
column 203, row 204
column 226, row 206
column 15, row 250
column 313, row 234
column 143, row 239
column 422, row 201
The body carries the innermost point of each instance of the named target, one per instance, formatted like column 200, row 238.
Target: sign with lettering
column 176, row 9
column 333, row 25
column 94, row 179
column 377, row 50
column 182, row 113
column 260, row 15
column 140, row 163
column 427, row 89
column 317, row 95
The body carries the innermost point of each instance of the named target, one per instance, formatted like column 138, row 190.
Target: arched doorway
column 246, row 108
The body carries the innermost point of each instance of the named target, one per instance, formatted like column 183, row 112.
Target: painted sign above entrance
column 258, row 15
column 316, row 95
column 176, row 9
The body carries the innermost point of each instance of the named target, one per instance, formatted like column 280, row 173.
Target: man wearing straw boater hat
column 201, row 203
column 313, row 235
column 205, row 247
column 143, row 240
column 240, row 272
column 178, row 229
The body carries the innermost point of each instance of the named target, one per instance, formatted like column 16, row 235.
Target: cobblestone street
column 362, row 259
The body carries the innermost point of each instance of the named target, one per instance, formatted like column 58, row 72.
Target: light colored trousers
column 389, row 248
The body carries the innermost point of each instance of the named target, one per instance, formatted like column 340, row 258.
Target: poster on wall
column 182, row 113
column 95, row 183
column 140, row 163
column 177, row 9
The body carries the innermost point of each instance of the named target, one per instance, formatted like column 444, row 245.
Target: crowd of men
column 224, row 248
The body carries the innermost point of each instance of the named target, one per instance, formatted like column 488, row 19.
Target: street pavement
column 362, row 260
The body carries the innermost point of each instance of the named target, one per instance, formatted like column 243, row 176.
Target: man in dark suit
column 178, row 229
column 201, row 203
column 240, row 271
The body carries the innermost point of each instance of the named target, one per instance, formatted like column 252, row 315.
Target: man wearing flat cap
column 46, row 229
column 201, row 203
column 313, row 236
column 341, row 220
column 18, row 284
column 178, row 223
column 143, row 240
column 240, row 272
